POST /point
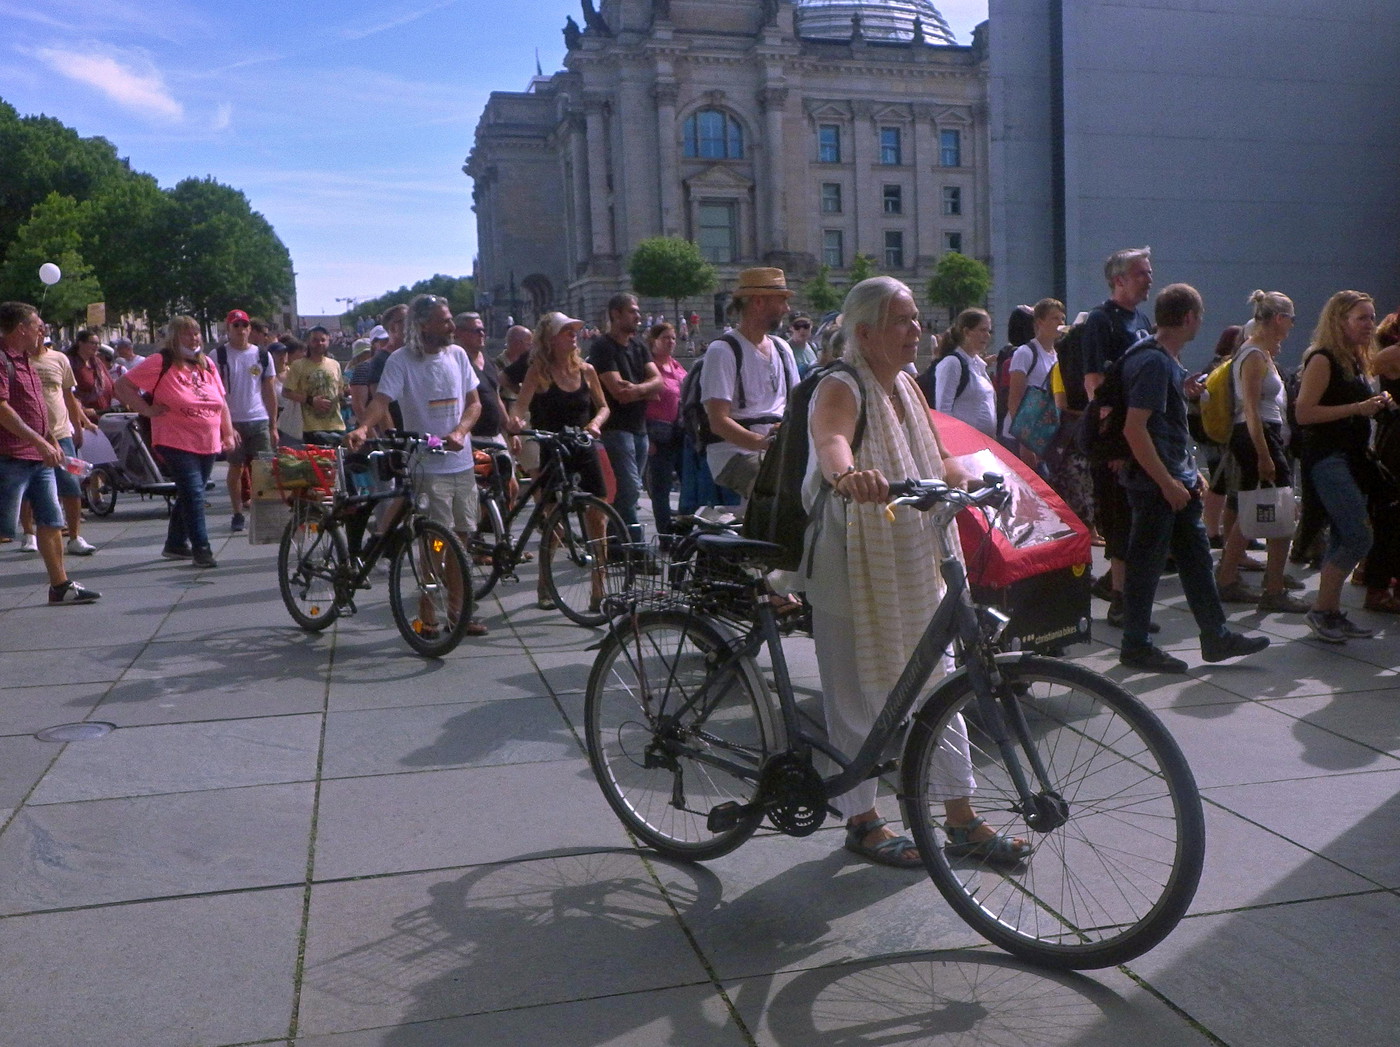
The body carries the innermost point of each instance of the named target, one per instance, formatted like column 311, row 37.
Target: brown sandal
column 1382, row 601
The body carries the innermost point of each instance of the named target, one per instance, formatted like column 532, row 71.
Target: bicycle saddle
column 737, row 547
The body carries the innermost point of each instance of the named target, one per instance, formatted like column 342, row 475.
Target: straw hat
column 754, row 283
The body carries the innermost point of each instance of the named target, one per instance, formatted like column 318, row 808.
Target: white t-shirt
column 431, row 391
column 1273, row 401
column 1035, row 362
column 245, row 378
column 977, row 406
column 765, row 387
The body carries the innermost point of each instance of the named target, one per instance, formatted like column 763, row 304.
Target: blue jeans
column 698, row 487
column 190, row 471
column 26, row 478
column 663, row 466
column 1349, row 538
column 627, row 451
column 1156, row 531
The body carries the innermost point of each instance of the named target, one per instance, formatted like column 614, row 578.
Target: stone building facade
column 766, row 131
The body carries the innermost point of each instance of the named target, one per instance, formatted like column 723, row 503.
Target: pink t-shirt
column 196, row 401
column 667, row 406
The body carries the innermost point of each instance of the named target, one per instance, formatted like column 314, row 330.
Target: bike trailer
column 1036, row 565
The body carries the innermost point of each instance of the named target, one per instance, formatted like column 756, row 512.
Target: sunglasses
column 801, row 327
column 239, row 323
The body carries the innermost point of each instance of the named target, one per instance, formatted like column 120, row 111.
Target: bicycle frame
column 552, row 480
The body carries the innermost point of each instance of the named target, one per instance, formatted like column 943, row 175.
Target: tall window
column 719, row 231
column 829, row 143
column 891, row 152
column 894, row 249
column 894, row 199
column 831, row 198
column 712, row 134
column 952, row 199
column 833, row 249
column 950, row 148
column 952, row 242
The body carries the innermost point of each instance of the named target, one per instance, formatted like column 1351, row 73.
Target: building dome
column 880, row 20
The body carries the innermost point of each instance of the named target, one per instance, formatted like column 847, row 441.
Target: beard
column 434, row 343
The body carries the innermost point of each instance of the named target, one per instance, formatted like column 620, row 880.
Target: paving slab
column 26, row 710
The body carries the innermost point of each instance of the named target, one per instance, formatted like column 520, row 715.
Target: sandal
column 545, row 603
column 1381, row 601
column 895, row 851
column 995, row 848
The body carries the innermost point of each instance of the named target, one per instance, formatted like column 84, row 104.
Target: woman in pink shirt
column 666, row 437
column 179, row 390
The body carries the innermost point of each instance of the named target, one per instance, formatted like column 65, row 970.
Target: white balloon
column 50, row 273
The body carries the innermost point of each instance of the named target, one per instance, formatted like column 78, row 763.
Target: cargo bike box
column 1036, row 564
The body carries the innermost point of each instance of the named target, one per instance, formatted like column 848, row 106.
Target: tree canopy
column 460, row 292
column 821, row 296
column 670, row 267
column 959, row 282
column 198, row 248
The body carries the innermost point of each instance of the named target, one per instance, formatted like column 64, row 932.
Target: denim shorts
column 68, row 485
column 20, row 477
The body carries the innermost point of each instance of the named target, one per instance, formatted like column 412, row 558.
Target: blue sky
column 345, row 123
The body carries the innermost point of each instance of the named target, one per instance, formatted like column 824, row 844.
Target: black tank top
column 1347, row 436
column 553, row 408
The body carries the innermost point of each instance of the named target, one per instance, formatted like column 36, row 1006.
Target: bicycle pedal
column 725, row 816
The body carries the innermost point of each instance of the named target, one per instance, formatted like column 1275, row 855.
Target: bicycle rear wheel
column 430, row 587
column 1110, row 881
column 488, row 549
column 311, row 556
column 674, row 729
column 577, row 564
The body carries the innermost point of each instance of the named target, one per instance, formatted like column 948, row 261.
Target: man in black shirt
column 470, row 334
column 1109, row 331
column 630, row 379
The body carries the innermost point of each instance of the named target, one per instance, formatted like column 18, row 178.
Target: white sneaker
column 30, row 544
column 80, row 546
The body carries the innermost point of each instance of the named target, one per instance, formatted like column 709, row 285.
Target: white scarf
column 893, row 568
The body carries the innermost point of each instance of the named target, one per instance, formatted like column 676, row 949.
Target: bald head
column 518, row 341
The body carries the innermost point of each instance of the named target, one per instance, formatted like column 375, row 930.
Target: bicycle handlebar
column 924, row 495
column 569, row 437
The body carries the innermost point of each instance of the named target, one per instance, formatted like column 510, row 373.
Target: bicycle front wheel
column 488, row 549
column 1116, row 863
column 577, row 563
column 311, row 556
column 430, row 590
column 676, row 726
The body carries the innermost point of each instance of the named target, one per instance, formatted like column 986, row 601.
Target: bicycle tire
column 579, row 569
column 1119, row 874
column 430, row 591
column 99, row 490
column 645, row 670
column 311, row 555
column 489, row 549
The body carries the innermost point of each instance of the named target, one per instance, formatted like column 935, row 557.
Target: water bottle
column 77, row 466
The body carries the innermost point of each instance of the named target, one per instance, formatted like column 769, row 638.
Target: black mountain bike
column 692, row 753
column 330, row 548
column 579, row 562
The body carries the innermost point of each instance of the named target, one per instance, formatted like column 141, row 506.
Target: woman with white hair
column 875, row 583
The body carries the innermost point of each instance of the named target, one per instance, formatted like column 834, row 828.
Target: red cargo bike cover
column 1040, row 533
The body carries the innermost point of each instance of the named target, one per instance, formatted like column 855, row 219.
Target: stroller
column 135, row 468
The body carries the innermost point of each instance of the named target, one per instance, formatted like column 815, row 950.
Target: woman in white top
column 875, row 579
column 1259, row 441
column 961, row 386
column 1032, row 363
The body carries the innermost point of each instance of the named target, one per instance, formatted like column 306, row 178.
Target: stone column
column 581, row 248
column 928, row 197
column 599, row 191
column 773, row 223
column 665, row 92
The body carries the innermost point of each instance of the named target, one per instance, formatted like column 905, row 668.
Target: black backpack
column 928, row 381
column 775, row 513
column 693, row 417
column 1100, row 437
column 1069, row 351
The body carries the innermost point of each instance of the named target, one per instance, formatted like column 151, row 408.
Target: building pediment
column 953, row 115
column 718, row 177
column 819, row 109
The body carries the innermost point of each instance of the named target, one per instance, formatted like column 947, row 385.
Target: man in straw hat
column 747, row 376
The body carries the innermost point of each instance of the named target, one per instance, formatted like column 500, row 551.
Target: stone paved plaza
column 330, row 842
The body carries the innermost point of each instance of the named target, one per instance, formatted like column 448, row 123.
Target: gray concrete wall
column 1252, row 144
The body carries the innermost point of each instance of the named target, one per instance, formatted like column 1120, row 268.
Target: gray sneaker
column 1350, row 629
column 1282, row 603
column 1325, row 628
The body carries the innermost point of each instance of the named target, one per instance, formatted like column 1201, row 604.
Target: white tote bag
column 1268, row 512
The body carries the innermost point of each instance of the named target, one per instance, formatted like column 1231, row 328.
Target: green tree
column 460, row 292
column 222, row 254
column 821, row 296
column 52, row 233
column 958, row 283
column 862, row 268
column 125, row 225
column 670, row 267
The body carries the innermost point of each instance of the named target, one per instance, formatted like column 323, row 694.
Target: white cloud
column 131, row 79
column 223, row 116
column 394, row 23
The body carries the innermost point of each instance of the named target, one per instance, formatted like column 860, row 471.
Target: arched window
column 712, row 134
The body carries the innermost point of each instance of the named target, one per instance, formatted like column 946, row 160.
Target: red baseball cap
column 236, row 314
